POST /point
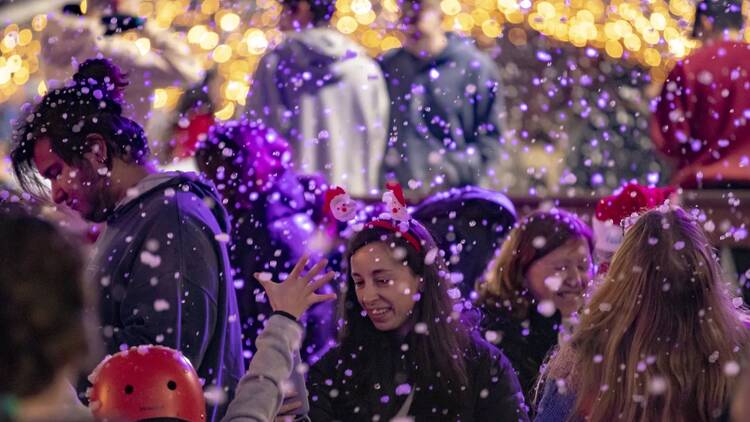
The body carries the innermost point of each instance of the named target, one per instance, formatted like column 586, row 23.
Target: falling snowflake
column 161, row 305
column 150, row 259
column 546, row 308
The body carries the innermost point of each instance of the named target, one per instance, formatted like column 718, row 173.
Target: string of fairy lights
column 232, row 39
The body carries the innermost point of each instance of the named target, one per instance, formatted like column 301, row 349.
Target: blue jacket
column 554, row 405
column 446, row 114
column 164, row 278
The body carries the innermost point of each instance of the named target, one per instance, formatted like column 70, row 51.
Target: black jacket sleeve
column 320, row 384
column 499, row 393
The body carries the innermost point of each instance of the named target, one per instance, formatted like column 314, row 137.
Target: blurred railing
column 724, row 214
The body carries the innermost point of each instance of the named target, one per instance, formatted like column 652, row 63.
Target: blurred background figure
column 613, row 211
column 272, row 219
column 45, row 339
column 700, row 121
column 446, row 104
column 157, row 59
column 192, row 118
column 325, row 95
column 469, row 224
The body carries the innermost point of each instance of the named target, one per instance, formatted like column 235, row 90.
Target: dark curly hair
column 41, row 318
column 66, row 117
column 105, row 73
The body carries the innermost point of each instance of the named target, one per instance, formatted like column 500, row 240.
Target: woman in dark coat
column 403, row 350
column 534, row 287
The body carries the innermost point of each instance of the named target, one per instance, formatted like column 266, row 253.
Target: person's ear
column 97, row 152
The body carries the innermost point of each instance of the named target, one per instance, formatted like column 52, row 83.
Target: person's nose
column 58, row 193
column 368, row 293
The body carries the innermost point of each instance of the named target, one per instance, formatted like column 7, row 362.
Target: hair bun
column 103, row 79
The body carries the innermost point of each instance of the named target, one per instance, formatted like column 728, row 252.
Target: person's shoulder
column 480, row 62
column 496, row 317
column 331, row 357
column 275, row 54
column 482, row 349
column 487, row 355
column 179, row 197
column 391, row 56
column 716, row 54
column 327, row 365
column 290, row 48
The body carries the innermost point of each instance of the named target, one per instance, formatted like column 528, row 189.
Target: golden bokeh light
column 227, row 36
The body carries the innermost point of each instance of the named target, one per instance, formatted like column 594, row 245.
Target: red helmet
column 146, row 382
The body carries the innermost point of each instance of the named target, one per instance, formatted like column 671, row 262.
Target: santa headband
column 396, row 217
column 613, row 211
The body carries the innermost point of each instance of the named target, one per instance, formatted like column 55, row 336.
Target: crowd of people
column 258, row 289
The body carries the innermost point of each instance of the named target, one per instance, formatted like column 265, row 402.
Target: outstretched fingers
column 316, row 298
column 314, row 271
column 263, row 278
column 319, row 283
column 297, row 270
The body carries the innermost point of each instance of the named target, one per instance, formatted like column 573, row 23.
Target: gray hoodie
column 321, row 91
column 260, row 393
column 163, row 274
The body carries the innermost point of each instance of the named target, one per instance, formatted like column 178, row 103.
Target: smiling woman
column 536, row 283
column 403, row 349
column 386, row 289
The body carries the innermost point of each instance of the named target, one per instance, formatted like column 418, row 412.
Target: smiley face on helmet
column 146, row 382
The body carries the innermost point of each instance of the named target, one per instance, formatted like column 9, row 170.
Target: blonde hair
column 659, row 332
column 537, row 235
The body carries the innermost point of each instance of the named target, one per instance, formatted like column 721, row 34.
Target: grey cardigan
column 259, row 396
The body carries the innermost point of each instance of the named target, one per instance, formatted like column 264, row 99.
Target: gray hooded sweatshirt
column 321, row 91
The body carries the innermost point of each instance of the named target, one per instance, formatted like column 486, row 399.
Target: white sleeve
column 259, row 396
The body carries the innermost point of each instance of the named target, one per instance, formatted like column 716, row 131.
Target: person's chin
column 94, row 216
column 567, row 306
column 385, row 323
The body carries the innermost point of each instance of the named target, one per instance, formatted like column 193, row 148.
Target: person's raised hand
column 297, row 293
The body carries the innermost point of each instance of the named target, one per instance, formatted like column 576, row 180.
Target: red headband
column 342, row 208
column 383, row 224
